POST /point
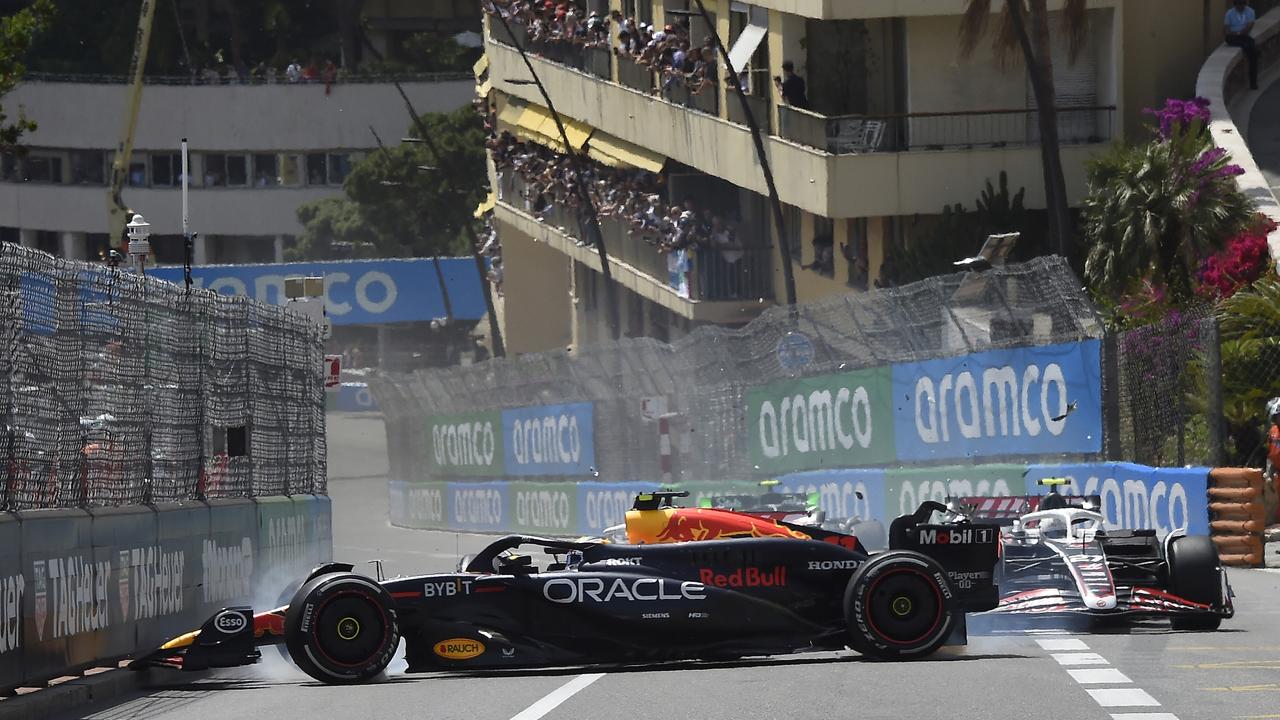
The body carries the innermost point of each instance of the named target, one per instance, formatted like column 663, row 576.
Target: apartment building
column 900, row 125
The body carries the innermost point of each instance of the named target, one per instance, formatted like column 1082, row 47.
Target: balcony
column 917, row 132
column 835, row 167
column 702, row 284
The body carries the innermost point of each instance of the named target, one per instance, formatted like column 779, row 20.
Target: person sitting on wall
column 1237, row 27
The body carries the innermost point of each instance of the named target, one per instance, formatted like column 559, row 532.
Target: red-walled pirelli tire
column 341, row 628
column 899, row 606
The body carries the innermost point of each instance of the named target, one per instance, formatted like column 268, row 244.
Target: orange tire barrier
column 1236, row 515
column 1236, row 527
column 1235, row 511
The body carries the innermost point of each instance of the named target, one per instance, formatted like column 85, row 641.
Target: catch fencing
column 897, row 376
column 119, row 389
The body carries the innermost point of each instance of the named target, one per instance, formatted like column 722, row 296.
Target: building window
column 291, row 170
column 339, row 168
column 317, row 169
column 9, row 166
column 215, row 170
column 88, row 167
column 47, row 241
column 138, row 174
column 166, row 169
column 266, row 170
column 42, row 168
column 237, row 170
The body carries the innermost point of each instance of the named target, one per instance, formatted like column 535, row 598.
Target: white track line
column 1143, row 716
column 1098, row 676
column 557, row 696
column 1123, row 697
column 1079, row 658
column 1062, row 645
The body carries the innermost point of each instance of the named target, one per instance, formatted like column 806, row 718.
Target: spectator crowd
column 552, row 26
column 632, row 197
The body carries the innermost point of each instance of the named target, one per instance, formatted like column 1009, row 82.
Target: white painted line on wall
column 1098, row 676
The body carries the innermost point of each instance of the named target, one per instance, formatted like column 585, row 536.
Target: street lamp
column 139, row 243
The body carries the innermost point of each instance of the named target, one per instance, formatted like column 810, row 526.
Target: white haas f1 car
column 1058, row 559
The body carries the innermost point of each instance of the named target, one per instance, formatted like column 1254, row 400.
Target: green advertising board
column 906, row 488
column 543, row 508
column 831, row 421
column 465, row 444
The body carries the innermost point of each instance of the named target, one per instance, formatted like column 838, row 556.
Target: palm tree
column 1157, row 210
column 1025, row 26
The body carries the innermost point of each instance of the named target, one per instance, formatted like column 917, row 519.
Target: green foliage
column 427, row 52
column 17, row 32
column 394, row 209
column 1249, row 322
column 1154, row 211
column 959, row 233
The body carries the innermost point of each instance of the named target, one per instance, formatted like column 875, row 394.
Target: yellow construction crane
column 117, row 213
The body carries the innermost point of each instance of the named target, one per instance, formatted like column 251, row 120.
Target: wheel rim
column 350, row 629
column 904, row 606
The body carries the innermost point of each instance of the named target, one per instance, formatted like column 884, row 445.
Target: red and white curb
column 1108, row 687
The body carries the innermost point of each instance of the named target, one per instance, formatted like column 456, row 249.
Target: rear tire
column 1196, row 574
column 899, row 606
column 340, row 629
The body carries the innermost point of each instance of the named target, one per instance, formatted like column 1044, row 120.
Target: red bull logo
column 745, row 577
column 694, row 524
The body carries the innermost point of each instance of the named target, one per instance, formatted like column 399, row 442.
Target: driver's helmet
column 1273, row 407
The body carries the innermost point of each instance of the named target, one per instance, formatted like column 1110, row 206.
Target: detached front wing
column 228, row 639
column 1130, row 601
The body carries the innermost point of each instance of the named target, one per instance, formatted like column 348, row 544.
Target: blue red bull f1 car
column 594, row 602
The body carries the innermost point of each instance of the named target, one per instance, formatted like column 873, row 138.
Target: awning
column 616, row 152
column 489, row 204
column 745, row 46
column 481, row 65
column 537, row 125
column 482, row 90
column 510, row 115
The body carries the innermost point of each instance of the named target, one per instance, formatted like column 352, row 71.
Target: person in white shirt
column 293, row 72
column 1237, row 27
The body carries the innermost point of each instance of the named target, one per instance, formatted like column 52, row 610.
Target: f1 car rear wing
column 1004, row 510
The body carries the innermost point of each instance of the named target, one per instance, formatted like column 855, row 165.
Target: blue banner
column 357, row 292
column 838, row 492
column 353, row 397
column 549, row 440
column 1137, row 496
column 479, row 506
column 603, row 505
column 1024, row 401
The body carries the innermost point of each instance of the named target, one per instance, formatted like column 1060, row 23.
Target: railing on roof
column 280, row 79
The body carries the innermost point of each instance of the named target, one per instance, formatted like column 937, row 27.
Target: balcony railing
column 698, row 273
column 759, row 109
column 854, row 134
column 634, row 75
column 677, row 92
column 223, row 79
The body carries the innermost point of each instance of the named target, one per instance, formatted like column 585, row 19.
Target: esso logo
column 230, row 622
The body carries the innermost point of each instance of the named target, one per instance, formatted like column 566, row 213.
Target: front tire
column 899, row 606
column 341, row 629
column 1196, row 574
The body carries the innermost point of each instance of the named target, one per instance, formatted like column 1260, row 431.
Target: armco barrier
column 1133, row 496
column 1238, row 519
column 80, row 588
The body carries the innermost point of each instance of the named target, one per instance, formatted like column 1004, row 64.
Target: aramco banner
column 549, row 440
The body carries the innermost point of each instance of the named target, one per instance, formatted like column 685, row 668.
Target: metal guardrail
column 199, row 79
column 907, row 132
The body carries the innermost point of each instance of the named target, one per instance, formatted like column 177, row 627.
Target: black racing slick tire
column 1196, row 574
column 341, row 629
column 899, row 606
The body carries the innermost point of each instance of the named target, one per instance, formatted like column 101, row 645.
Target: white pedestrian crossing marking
column 1123, row 697
column 1061, row 645
column 1098, row 676
column 1081, row 658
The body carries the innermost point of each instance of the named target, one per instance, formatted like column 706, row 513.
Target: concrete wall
column 230, row 117
column 1165, row 45
column 214, row 211
column 537, row 310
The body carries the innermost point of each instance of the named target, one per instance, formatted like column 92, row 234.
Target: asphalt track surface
column 1232, row 673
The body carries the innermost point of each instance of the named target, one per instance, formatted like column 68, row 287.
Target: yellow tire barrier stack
column 1236, row 515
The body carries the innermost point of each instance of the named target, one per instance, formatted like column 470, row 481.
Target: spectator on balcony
column 792, row 86
column 330, row 76
column 294, row 72
column 1238, row 28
